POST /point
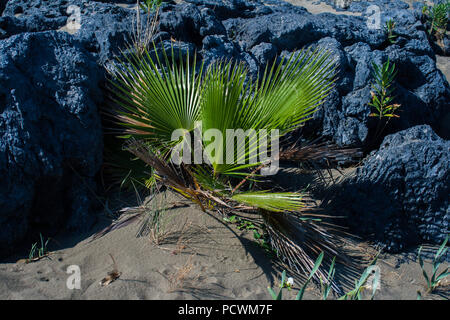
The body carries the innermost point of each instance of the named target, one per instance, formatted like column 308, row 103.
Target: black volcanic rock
column 2, row 5
column 362, row 6
column 105, row 28
column 186, row 22
column 50, row 135
column 399, row 197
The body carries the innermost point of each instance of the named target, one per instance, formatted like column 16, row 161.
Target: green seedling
column 285, row 283
column 242, row 224
column 382, row 91
column 326, row 285
column 389, row 29
column 150, row 5
column 382, row 97
column 36, row 252
column 264, row 243
column 312, row 273
column 355, row 294
column 437, row 18
column 435, row 279
column 289, row 282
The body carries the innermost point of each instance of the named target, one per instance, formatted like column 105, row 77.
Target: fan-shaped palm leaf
column 157, row 96
column 160, row 95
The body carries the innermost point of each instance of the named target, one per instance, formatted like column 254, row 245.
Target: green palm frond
column 291, row 93
column 203, row 177
column 158, row 95
column 271, row 201
column 286, row 96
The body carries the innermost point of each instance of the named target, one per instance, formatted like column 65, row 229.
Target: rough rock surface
column 105, row 28
column 399, row 197
column 361, row 6
column 50, row 134
column 255, row 32
column 2, row 5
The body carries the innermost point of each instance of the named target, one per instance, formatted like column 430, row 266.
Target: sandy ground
column 197, row 257
column 443, row 64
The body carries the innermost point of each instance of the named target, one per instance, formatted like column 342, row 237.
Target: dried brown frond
column 298, row 242
column 143, row 30
column 132, row 121
column 318, row 152
column 167, row 174
column 114, row 226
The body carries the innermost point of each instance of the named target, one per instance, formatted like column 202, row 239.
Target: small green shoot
column 289, row 282
column 326, row 286
column 260, row 239
column 230, row 219
column 36, row 252
column 150, row 5
column 263, row 241
column 312, row 273
column 355, row 294
column 389, row 29
column 382, row 98
column 437, row 17
column 435, row 279
column 241, row 224
column 283, row 284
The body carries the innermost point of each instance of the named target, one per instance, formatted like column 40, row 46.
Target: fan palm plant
column 160, row 93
